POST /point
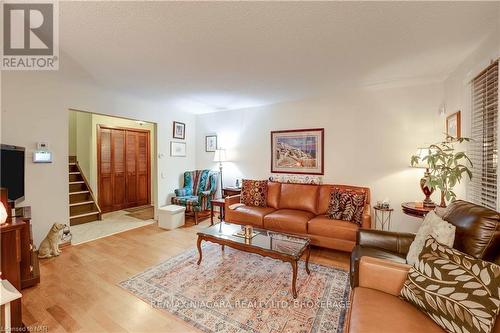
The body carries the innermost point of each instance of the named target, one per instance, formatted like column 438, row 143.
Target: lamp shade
column 220, row 155
column 421, row 153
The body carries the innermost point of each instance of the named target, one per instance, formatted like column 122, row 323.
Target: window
column 483, row 150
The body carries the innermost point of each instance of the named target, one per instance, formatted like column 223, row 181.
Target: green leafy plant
column 446, row 167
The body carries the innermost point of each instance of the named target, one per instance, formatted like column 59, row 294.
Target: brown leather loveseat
column 301, row 209
column 379, row 269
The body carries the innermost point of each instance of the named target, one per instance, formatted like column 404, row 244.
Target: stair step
column 77, row 182
column 78, row 192
column 81, row 203
column 72, row 163
column 83, row 215
column 75, row 173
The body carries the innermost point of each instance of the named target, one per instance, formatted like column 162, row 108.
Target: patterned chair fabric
column 200, row 187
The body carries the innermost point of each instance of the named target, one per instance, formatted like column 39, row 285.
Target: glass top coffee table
column 284, row 247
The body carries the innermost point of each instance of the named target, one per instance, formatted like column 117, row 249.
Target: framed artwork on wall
column 298, row 151
column 177, row 149
column 179, row 130
column 453, row 126
column 210, row 143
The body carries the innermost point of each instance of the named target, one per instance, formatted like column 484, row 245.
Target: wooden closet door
column 132, row 150
column 143, row 167
column 118, row 164
column 123, row 168
column 105, row 169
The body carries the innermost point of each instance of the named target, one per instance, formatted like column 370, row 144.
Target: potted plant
column 446, row 167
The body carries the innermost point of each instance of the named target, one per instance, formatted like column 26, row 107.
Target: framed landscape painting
column 298, row 151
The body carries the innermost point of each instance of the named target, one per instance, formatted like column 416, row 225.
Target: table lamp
column 220, row 156
column 3, row 213
column 421, row 153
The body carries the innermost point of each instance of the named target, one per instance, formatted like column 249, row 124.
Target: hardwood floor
column 79, row 292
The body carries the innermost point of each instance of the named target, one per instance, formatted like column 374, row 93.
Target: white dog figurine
column 50, row 245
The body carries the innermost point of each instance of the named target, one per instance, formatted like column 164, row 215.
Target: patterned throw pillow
column 459, row 292
column 254, row 192
column 347, row 205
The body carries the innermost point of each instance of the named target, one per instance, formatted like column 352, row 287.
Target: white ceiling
column 211, row 56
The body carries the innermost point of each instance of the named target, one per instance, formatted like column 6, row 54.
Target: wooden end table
column 217, row 203
column 284, row 247
column 228, row 191
column 415, row 209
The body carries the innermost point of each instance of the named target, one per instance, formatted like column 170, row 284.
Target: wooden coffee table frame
column 293, row 260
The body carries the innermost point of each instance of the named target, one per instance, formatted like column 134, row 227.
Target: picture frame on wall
column 210, row 143
column 299, row 151
column 177, row 149
column 179, row 130
column 454, row 126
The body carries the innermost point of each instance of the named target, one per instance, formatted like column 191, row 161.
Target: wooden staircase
column 83, row 207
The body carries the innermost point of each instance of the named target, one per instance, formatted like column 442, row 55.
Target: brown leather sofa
column 375, row 306
column 301, row 209
column 477, row 234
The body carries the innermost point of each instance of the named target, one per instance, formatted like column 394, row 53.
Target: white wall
column 370, row 135
column 35, row 108
column 457, row 86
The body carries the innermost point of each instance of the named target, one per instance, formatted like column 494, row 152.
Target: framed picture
column 210, row 143
column 177, row 149
column 298, row 151
column 453, row 126
column 179, row 131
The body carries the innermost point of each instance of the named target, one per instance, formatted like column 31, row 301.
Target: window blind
column 483, row 150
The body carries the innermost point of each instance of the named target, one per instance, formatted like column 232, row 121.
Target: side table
column 217, row 203
column 228, row 191
column 383, row 217
column 415, row 209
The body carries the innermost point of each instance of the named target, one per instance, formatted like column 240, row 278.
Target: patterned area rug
column 234, row 291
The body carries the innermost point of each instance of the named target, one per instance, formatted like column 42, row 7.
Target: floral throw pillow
column 459, row 292
column 347, row 205
column 254, row 193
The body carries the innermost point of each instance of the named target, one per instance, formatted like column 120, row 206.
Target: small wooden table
column 228, row 191
column 412, row 209
column 217, row 203
column 284, row 247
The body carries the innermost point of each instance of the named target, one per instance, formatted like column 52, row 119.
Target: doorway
column 112, row 174
column 123, row 168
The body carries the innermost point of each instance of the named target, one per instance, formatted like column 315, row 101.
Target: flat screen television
column 12, row 163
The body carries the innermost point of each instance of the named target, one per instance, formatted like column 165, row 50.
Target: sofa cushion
column 347, row 205
column 374, row 311
column 273, row 194
column 248, row 215
column 254, row 192
column 478, row 230
column 323, row 226
column 288, row 220
column 468, row 286
column 299, row 196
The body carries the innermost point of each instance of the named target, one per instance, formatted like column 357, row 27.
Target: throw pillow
column 254, row 193
column 346, row 205
column 435, row 226
column 459, row 292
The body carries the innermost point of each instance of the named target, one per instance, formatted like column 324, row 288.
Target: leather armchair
column 393, row 246
column 477, row 234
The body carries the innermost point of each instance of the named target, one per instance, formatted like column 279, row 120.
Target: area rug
column 234, row 291
column 142, row 213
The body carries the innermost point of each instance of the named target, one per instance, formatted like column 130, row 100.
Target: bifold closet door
column 123, row 168
column 137, row 168
column 111, row 169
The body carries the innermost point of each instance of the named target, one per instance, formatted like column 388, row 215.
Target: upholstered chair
column 199, row 189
